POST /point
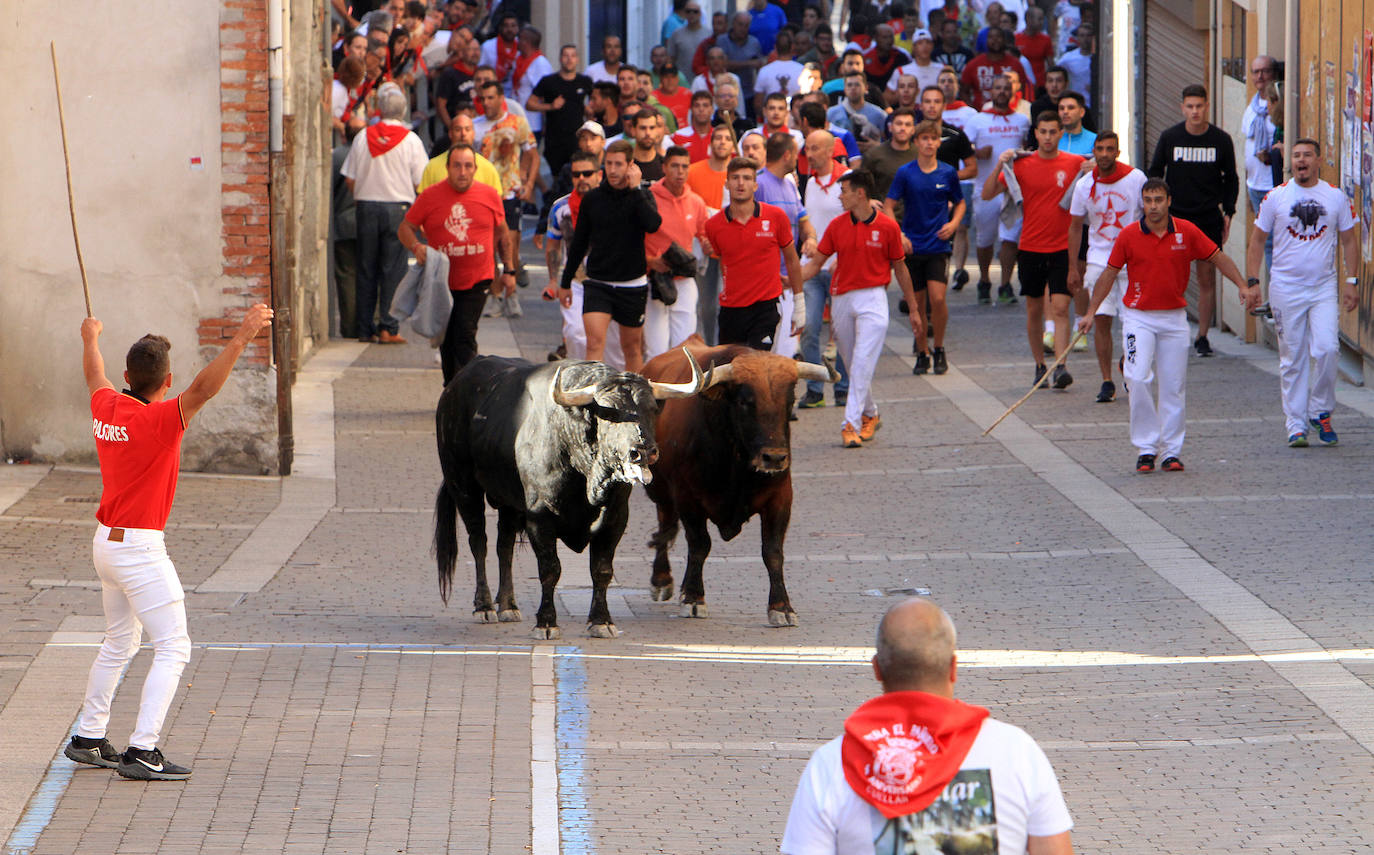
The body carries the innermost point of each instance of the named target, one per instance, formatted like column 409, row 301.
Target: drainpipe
column 1290, row 84
column 278, row 194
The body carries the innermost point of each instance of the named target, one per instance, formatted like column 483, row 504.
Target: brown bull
column 725, row 456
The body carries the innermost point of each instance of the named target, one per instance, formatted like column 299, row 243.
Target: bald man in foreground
column 916, row 769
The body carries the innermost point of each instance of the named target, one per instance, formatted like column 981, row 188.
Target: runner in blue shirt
column 933, row 207
column 776, row 186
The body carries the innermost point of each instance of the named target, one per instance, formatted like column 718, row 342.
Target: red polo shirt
column 1043, row 181
column 864, row 251
column 1157, row 267
column 748, row 253
column 139, row 446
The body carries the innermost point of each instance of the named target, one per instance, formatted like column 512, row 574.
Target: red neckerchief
column 835, row 173
column 1122, row 170
column 875, row 66
column 954, row 105
column 574, row 203
column 363, row 88
column 1014, row 103
column 463, row 69
column 996, row 112
column 522, row 64
column 901, row 749
column 505, row 57
column 384, row 136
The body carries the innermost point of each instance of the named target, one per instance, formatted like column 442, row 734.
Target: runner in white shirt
column 822, row 203
column 528, row 72
column 922, row 67
column 993, row 132
column 1304, row 215
column 1107, row 199
column 961, row 116
column 918, row 770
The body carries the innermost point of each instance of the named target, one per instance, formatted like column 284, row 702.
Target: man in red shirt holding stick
column 138, row 440
column 1157, row 254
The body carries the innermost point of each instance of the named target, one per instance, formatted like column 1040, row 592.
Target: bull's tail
column 445, row 538
column 662, row 540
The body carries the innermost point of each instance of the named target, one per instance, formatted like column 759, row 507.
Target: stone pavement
column 1194, row 651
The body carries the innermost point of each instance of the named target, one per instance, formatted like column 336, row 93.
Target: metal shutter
column 1177, row 58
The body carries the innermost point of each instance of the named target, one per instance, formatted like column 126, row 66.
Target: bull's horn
column 570, row 397
column 723, row 374
column 681, row 390
column 811, row 371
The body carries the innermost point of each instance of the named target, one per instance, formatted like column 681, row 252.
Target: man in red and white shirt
column 684, row 216
column 867, row 246
column 747, row 237
column 464, row 219
column 823, row 204
column 1157, row 254
column 138, row 441
column 695, row 135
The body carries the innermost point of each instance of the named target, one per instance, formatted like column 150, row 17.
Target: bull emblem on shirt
column 1307, row 214
column 458, row 222
column 897, row 766
column 1059, row 178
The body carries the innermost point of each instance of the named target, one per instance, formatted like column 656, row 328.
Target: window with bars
column 1234, row 63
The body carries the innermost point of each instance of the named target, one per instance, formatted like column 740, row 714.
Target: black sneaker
column 1040, row 370
column 141, row 765
column 984, row 292
column 939, row 363
column 1172, row 464
column 915, row 345
column 1263, row 310
column 922, row 363
column 1145, row 463
column 1203, row 346
column 841, row 398
column 1108, row 393
column 92, row 752
column 811, row 400
column 1005, row 295
column 960, row 280
column 1062, row 378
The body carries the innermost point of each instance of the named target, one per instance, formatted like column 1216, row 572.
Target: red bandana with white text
column 384, row 136
column 901, row 749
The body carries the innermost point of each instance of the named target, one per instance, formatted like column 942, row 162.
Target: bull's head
column 759, row 389
column 618, row 411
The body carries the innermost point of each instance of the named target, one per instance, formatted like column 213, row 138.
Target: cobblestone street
column 1194, row 651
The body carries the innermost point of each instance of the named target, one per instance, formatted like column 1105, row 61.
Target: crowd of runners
column 765, row 178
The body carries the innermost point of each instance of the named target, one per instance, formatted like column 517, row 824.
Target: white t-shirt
column 1106, row 209
column 960, row 117
column 390, row 177
column 539, row 68
column 1004, row 773
column 338, row 100
column 783, row 75
column 1080, row 69
column 1000, row 132
column 822, row 203
column 926, row 75
column 1305, row 222
column 598, row 73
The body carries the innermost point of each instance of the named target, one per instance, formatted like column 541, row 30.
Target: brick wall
column 243, row 154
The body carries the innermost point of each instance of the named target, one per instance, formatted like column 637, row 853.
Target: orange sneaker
column 390, row 338
column 869, row 427
column 850, row 437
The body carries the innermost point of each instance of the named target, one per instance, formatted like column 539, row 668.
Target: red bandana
column 954, row 105
column 901, row 749
column 1121, row 171
column 522, row 64
column 574, row 203
column 505, row 57
column 384, row 136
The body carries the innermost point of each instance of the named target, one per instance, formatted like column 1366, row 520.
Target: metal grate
column 81, row 500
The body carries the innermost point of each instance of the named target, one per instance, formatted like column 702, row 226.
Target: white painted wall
column 141, row 90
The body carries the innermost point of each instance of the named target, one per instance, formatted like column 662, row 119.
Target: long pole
column 1046, row 376
column 67, row 163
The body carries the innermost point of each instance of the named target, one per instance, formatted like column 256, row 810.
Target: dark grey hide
column 559, row 471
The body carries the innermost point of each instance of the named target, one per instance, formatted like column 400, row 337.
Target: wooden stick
column 67, row 162
column 1038, row 383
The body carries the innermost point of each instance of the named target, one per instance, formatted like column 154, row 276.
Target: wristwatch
column 1252, row 281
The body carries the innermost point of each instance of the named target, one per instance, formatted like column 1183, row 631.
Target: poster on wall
column 1351, row 128
column 1367, row 151
column 1330, row 113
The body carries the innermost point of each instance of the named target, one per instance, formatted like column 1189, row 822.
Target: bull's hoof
column 661, row 593
column 547, row 633
column 696, row 610
column 484, row 615
column 602, row 630
column 508, row 615
column 777, row 618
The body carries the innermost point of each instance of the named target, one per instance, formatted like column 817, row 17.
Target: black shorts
column 926, row 268
column 625, row 305
column 1039, row 270
column 1210, row 222
column 754, row 325
column 512, row 207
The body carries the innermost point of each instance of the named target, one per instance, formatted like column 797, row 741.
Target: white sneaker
column 495, row 307
column 513, row 309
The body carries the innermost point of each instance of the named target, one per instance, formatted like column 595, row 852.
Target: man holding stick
column 1157, row 254
column 138, row 440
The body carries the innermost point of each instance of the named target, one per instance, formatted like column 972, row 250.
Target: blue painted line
column 42, row 806
column 575, row 815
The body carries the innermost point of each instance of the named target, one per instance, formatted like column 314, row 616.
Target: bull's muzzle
column 644, row 455
column 772, row 460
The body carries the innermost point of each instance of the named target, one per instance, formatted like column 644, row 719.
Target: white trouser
column 784, row 343
column 575, row 335
column 138, row 588
column 1155, row 344
column 859, row 320
column 666, row 327
column 1112, row 305
column 1307, row 321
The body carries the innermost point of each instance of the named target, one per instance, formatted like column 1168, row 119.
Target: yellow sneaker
column 1081, row 344
column 850, row 437
column 869, row 427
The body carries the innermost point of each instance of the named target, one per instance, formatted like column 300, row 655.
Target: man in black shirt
column 951, row 51
column 955, row 148
column 605, row 106
column 561, row 97
column 1198, row 161
column 644, row 127
column 612, row 221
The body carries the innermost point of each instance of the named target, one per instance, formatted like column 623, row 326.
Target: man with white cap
column 922, row 66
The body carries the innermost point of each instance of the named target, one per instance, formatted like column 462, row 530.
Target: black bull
column 555, row 450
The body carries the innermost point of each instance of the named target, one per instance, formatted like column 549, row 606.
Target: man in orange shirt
column 138, row 440
column 1043, row 248
column 684, row 219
